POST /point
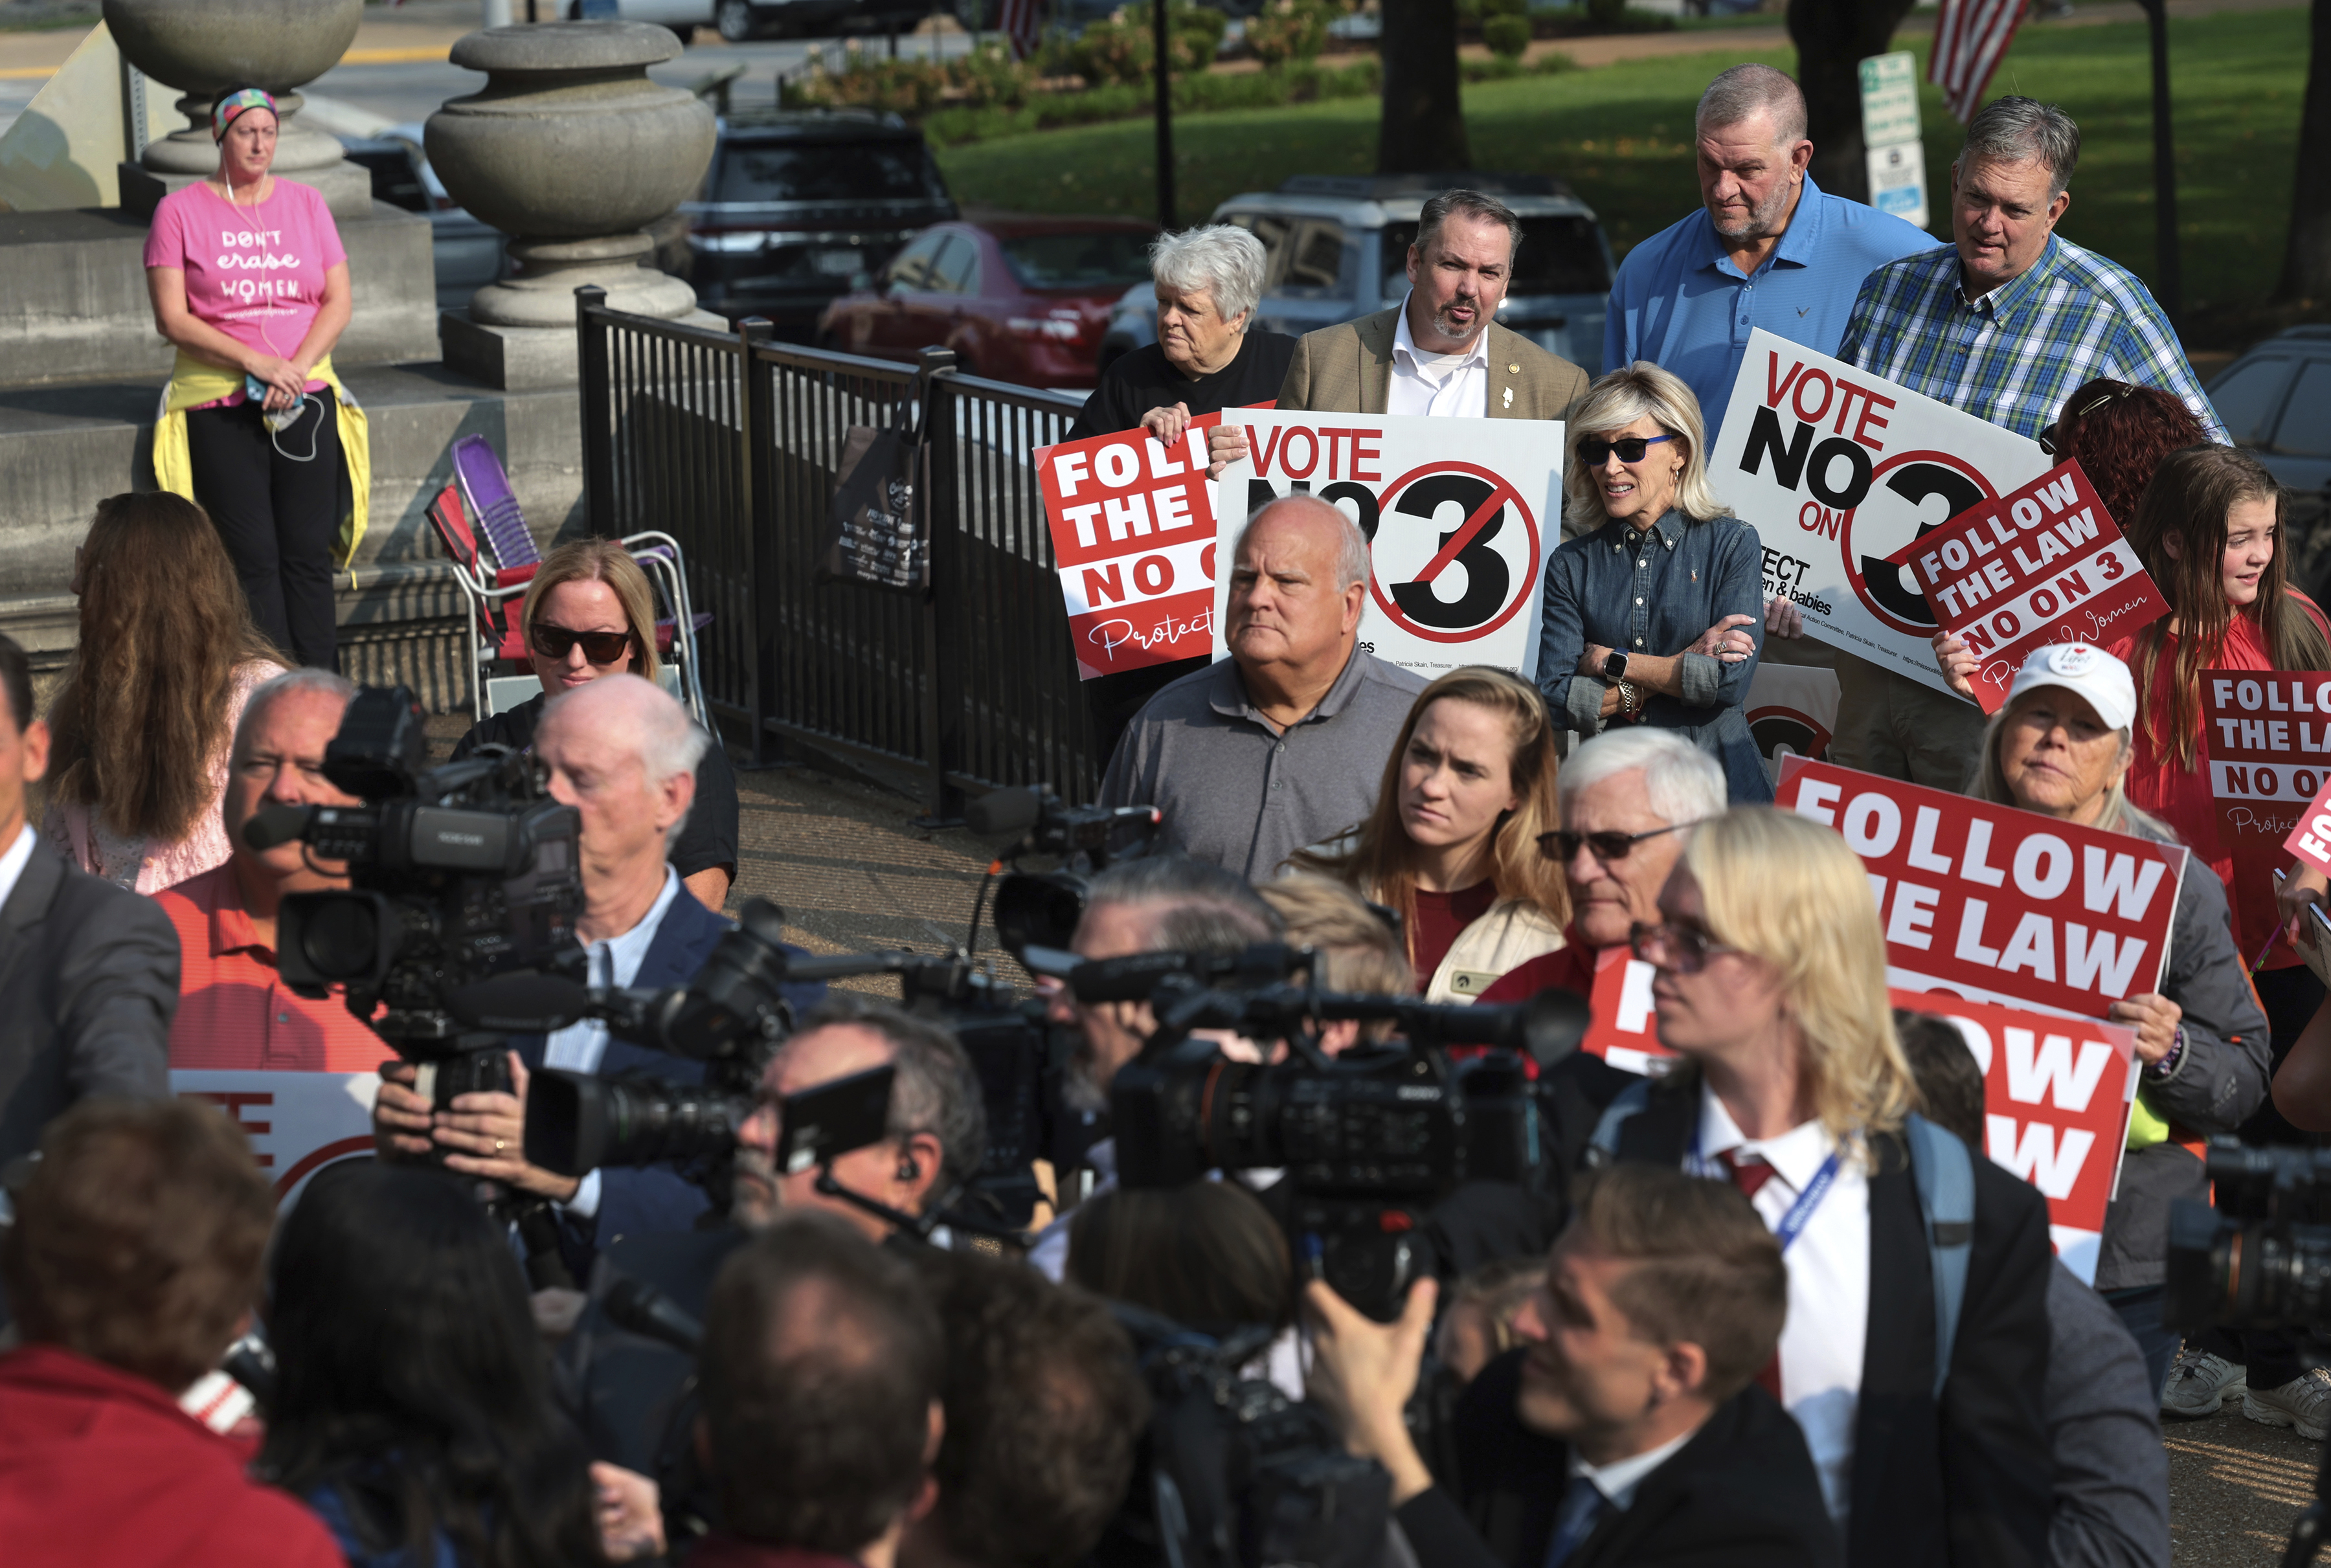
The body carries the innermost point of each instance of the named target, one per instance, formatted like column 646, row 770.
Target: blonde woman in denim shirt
column 1652, row 608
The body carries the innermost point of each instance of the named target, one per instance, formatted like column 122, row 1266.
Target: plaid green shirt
column 2015, row 354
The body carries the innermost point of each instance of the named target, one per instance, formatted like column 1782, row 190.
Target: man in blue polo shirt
column 1769, row 249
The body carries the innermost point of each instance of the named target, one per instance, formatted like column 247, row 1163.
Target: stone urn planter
column 573, row 152
column 204, row 47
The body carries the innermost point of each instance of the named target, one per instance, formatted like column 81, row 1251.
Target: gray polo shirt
column 1239, row 792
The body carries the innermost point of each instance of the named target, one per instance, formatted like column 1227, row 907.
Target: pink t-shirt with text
column 254, row 272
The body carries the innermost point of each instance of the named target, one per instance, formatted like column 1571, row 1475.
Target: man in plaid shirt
column 2005, row 323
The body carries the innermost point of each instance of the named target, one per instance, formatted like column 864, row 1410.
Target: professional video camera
column 2261, row 1260
column 1233, row 1474
column 464, row 884
column 1369, row 1141
column 1041, row 908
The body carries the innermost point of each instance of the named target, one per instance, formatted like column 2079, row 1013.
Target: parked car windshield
column 825, row 171
column 1110, row 258
column 1560, row 255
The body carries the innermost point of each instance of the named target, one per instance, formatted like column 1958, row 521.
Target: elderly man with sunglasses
column 1628, row 796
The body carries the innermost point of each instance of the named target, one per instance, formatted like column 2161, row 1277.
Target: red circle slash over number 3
column 1493, row 589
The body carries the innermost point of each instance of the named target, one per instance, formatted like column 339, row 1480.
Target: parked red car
column 1021, row 299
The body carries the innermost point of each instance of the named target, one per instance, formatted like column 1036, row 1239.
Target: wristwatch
column 1630, row 701
column 1614, row 666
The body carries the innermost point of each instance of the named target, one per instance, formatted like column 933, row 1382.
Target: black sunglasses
column 599, row 647
column 1595, row 452
column 1607, row 847
column 2049, row 437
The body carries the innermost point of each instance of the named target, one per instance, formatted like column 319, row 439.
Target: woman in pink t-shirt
column 249, row 280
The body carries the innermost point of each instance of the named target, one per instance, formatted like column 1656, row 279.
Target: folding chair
column 494, row 504
column 493, row 595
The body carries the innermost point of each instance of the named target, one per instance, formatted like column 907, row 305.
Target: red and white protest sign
column 1623, row 1031
column 1460, row 515
column 297, row 1121
column 1996, row 904
column 2043, row 563
column 2056, row 1094
column 2310, row 841
column 1133, row 532
column 2267, row 737
column 1839, row 471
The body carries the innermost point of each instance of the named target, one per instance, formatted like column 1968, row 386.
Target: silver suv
column 1338, row 250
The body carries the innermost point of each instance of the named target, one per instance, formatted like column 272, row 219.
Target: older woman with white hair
column 1205, row 359
column 1652, row 600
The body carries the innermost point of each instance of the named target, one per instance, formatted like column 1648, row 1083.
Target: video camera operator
column 622, row 753
column 632, row 1391
column 1161, row 903
column 1661, row 1300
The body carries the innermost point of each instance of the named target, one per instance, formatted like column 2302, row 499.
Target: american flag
column 1021, row 22
column 1971, row 38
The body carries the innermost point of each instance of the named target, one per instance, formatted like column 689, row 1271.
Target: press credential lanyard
column 1801, row 1212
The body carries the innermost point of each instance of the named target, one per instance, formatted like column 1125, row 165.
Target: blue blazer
column 637, row 1200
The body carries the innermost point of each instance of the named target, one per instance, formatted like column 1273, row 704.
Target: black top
column 1741, row 1494
column 708, row 839
column 1144, row 379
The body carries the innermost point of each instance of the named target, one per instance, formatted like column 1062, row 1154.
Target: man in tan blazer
column 1439, row 352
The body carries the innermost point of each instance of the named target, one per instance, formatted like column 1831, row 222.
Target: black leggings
column 277, row 517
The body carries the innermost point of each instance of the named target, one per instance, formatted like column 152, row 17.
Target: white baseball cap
column 2090, row 673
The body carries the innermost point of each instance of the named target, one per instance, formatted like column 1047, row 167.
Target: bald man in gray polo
column 1284, row 743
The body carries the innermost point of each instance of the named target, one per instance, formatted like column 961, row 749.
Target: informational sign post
column 2056, row 1094
column 2269, row 745
column 297, row 1121
column 1133, row 532
column 1459, row 513
column 1994, row 904
column 1840, row 472
column 2043, row 563
column 1889, row 132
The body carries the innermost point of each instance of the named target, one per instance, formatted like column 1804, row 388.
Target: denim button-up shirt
column 1655, row 593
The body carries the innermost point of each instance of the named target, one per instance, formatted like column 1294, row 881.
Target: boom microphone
column 274, row 825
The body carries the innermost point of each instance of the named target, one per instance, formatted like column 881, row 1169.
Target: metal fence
column 729, row 442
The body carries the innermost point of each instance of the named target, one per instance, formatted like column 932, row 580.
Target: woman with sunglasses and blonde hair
column 1653, row 600
column 1453, row 844
column 589, row 614
column 1771, row 986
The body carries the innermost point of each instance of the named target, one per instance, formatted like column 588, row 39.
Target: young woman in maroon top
column 1453, row 844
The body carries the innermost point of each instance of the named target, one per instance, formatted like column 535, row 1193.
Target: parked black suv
column 796, row 204
column 2275, row 401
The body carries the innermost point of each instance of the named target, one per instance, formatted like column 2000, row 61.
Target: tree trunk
column 2306, row 260
column 1834, row 37
column 1423, row 126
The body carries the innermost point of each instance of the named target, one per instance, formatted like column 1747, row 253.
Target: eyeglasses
column 1684, row 949
column 598, row 646
column 1607, row 847
column 1595, row 452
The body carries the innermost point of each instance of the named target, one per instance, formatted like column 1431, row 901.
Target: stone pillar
column 204, row 47
column 573, row 152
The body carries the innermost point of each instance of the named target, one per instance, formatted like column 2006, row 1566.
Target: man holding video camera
column 1630, row 1428
column 623, row 755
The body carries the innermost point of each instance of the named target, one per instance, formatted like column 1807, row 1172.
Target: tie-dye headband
column 224, row 111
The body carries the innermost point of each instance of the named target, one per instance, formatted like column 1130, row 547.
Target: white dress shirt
column 1828, row 1285
column 1619, row 1480
column 578, row 1047
column 12, row 863
column 1438, row 384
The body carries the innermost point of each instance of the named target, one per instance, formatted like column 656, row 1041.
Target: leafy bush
column 1506, row 35
column 1290, row 30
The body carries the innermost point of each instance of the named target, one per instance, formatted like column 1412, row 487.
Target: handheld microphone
column 640, row 1306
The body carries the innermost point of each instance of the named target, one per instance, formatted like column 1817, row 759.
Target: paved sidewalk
column 2234, row 1487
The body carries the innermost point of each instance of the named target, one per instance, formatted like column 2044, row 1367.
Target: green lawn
column 1621, row 135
